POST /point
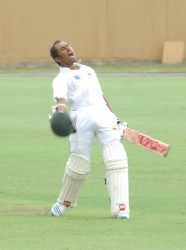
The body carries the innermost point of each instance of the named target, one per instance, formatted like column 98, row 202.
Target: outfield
column 32, row 164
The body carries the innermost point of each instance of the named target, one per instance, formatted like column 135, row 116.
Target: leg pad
column 116, row 165
column 77, row 169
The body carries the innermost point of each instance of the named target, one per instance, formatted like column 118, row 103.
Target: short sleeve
column 59, row 88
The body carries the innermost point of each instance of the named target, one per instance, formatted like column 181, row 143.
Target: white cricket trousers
column 91, row 122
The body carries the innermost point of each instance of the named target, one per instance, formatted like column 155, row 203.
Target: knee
column 114, row 156
column 78, row 166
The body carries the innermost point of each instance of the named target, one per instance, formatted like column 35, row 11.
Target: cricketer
column 77, row 86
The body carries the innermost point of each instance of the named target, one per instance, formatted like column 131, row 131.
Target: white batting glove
column 122, row 127
column 54, row 109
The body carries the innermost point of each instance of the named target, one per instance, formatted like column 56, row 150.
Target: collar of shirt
column 63, row 69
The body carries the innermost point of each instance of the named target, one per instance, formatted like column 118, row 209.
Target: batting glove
column 118, row 121
column 54, row 110
column 122, row 127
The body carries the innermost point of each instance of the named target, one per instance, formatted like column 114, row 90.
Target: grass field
column 32, row 164
column 100, row 67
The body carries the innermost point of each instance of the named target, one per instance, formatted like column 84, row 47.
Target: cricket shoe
column 58, row 210
column 122, row 214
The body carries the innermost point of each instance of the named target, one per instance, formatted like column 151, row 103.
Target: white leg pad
column 77, row 169
column 116, row 164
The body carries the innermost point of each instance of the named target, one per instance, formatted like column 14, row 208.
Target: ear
column 57, row 59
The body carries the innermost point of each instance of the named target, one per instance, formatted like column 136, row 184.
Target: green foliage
column 33, row 160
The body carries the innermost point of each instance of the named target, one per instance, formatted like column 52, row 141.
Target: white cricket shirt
column 80, row 87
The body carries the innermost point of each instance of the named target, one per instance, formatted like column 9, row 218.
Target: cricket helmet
column 61, row 124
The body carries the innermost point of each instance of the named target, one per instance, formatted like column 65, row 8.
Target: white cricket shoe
column 58, row 210
column 122, row 215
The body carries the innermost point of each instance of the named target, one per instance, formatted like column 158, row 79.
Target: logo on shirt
column 77, row 77
column 115, row 128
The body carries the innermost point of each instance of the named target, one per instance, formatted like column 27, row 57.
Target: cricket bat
column 146, row 141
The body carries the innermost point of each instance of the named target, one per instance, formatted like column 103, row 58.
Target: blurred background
column 99, row 30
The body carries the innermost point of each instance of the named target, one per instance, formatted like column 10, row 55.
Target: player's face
column 66, row 54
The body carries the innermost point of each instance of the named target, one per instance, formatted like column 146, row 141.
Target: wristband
column 61, row 104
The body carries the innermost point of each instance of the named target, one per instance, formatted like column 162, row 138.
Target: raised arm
column 107, row 103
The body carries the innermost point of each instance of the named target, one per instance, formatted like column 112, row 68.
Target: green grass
column 100, row 67
column 32, row 164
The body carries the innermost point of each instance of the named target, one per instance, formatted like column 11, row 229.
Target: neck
column 75, row 66
column 72, row 66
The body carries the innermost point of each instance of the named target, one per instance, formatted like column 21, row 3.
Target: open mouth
column 71, row 54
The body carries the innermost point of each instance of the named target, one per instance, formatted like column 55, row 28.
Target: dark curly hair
column 53, row 51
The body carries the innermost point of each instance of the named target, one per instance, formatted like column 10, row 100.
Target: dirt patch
column 36, row 212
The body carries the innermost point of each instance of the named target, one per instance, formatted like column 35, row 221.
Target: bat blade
column 146, row 141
